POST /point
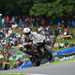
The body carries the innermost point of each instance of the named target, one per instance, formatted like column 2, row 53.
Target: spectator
column 66, row 30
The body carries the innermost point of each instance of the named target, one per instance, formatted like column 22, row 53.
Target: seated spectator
column 66, row 30
column 18, row 63
column 66, row 33
column 59, row 30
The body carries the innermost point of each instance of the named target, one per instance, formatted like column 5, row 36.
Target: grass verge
column 65, row 62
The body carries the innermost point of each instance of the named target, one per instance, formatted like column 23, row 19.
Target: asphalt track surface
column 48, row 69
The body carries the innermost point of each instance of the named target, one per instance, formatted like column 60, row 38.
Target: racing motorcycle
column 38, row 53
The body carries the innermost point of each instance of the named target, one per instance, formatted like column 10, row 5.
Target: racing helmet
column 26, row 30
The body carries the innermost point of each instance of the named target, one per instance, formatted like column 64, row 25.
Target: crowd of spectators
column 9, row 37
column 21, row 21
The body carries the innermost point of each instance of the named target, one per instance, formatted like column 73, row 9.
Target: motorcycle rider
column 46, row 31
column 37, row 41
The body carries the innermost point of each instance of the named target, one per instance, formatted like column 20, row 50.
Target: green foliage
column 53, row 8
column 38, row 7
column 17, row 7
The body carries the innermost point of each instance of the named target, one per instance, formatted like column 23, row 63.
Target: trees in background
column 15, row 7
column 53, row 7
column 38, row 7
